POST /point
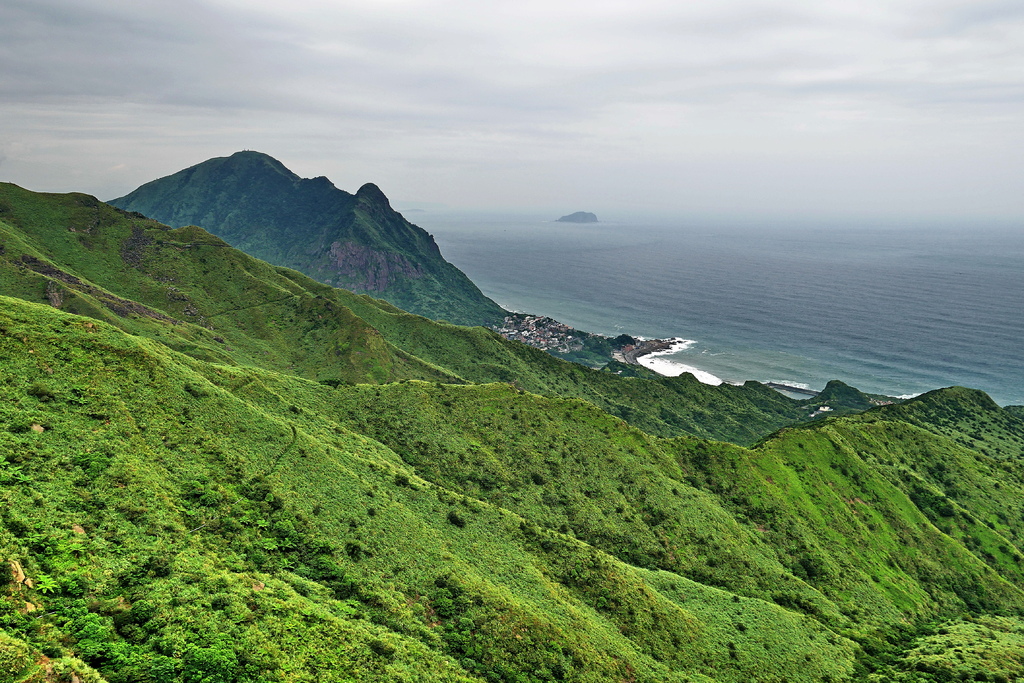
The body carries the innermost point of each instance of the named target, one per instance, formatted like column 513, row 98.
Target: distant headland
column 578, row 217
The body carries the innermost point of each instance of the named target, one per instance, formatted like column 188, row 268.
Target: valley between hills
column 225, row 457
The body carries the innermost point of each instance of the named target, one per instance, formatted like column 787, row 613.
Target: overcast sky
column 901, row 109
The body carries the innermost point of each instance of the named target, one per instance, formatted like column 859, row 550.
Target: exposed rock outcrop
column 369, row 269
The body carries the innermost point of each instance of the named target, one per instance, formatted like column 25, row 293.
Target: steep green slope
column 835, row 509
column 835, row 499
column 570, row 468
column 353, row 241
column 973, row 420
column 167, row 519
column 970, row 649
column 191, row 291
column 186, row 288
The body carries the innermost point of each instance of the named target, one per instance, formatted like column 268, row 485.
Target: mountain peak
column 251, row 159
column 252, row 154
column 372, row 193
column 253, row 202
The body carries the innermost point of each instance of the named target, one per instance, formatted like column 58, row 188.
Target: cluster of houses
column 542, row 332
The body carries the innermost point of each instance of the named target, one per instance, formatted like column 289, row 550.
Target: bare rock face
column 55, row 294
column 133, row 249
column 369, row 269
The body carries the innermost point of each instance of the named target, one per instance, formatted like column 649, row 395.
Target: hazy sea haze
column 896, row 311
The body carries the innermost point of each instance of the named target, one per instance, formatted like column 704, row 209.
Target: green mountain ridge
column 218, row 470
column 353, row 241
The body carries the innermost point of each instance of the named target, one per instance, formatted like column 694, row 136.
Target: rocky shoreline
column 631, row 353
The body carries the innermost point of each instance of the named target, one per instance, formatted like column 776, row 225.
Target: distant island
column 578, row 217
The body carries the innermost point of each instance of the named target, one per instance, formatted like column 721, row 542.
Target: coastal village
column 541, row 332
column 550, row 335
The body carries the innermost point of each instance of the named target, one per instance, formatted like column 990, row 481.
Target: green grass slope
column 353, row 241
column 858, row 541
column 971, row 649
column 168, row 519
column 894, row 523
column 186, row 288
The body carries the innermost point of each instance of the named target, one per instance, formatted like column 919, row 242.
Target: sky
column 896, row 110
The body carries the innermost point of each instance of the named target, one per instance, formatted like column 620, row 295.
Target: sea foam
column 789, row 383
column 663, row 366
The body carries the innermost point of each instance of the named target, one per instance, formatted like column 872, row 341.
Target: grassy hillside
column 171, row 519
column 175, row 520
column 829, row 507
column 353, row 241
column 216, row 470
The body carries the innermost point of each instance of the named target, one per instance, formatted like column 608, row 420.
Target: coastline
column 564, row 341
column 645, row 347
column 653, row 359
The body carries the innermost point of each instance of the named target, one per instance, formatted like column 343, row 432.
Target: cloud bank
column 894, row 109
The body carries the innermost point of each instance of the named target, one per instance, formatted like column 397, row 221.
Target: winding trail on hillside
column 247, row 308
column 280, row 456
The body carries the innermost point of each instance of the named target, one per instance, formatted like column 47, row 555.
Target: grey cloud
column 409, row 87
column 181, row 53
column 968, row 17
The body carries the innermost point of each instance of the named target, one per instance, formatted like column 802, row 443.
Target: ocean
column 889, row 310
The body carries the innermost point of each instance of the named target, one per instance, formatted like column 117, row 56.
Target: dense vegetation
column 294, row 483
column 352, row 241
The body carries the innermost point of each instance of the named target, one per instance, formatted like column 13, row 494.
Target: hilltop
column 218, row 470
column 358, row 241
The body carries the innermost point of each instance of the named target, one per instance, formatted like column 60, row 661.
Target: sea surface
column 890, row 310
